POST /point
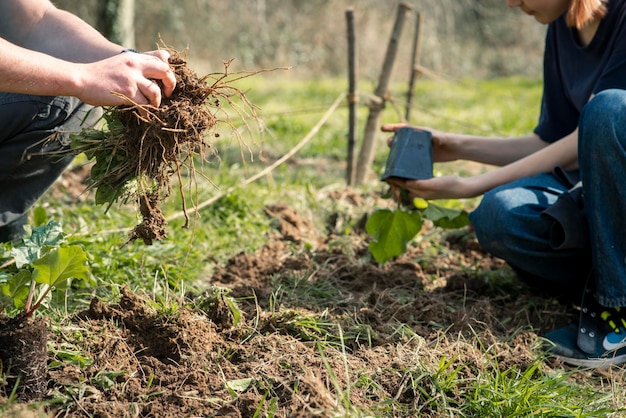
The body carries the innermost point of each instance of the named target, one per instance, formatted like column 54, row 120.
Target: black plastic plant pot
column 410, row 156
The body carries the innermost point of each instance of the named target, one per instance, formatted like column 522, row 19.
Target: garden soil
column 24, row 355
column 206, row 360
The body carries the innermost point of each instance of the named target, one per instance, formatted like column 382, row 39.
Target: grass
column 429, row 385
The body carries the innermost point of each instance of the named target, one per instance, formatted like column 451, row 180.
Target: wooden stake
column 415, row 59
column 366, row 156
column 352, row 97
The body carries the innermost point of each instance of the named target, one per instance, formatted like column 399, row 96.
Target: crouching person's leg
column 510, row 223
column 34, row 130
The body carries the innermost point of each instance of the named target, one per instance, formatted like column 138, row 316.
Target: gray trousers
column 33, row 131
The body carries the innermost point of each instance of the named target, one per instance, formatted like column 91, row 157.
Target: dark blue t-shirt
column 573, row 73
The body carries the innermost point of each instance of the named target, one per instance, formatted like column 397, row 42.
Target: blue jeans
column 511, row 221
column 33, row 130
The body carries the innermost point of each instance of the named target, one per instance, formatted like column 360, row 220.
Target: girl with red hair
column 555, row 208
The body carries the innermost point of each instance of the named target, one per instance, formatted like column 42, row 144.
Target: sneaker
column 598, row 341
column 616, row 319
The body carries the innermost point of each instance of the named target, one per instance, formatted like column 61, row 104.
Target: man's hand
column 125, row 79
column 46, row 51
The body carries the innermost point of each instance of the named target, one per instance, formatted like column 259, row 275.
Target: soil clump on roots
column 143, row 146
column 24, row 356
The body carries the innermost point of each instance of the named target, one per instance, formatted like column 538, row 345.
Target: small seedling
column 410, row 157
column 392, row 229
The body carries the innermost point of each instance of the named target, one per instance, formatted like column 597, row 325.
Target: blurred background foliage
column 461, row 38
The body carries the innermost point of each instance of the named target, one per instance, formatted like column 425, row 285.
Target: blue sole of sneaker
column 562, row 345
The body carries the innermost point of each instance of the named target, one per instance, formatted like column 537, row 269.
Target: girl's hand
column 445, row 187
column 444, row 146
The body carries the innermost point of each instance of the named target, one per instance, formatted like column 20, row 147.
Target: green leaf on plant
column 17, row 288
column 25, row 255
column 105, row 194
column 40, row 217
column 391, row 231
column 58, row 267
column 445, row 217
column 234, row 309
column 48, row 235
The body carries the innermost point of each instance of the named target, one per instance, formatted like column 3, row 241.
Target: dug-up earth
column 266, row 339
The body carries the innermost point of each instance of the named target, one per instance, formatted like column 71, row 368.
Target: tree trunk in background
column 366, row 156
column 115, row 19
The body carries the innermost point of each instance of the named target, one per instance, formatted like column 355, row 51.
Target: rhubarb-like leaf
column 44, row 236
column 16, row 288
column 445, row 217
column 391, row 231
column 58, row 267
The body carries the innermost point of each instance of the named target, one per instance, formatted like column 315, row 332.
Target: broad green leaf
column 48, row 235
column 445, row 217
column 105, row 194
column 60, row 265
column 17, row 288
column 25, row 255
column 391, row 231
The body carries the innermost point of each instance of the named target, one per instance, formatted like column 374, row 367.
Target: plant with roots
column 43, row 262
column 142, row 147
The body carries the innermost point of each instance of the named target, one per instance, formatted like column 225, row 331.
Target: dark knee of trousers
column 14, row 231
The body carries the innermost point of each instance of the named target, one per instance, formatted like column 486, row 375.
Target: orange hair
column 582, row 12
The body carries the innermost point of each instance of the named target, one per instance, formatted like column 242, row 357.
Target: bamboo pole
column 366, row 156
column 415, row 59
column 353, row 98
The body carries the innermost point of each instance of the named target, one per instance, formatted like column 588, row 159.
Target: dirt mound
column 158, row 364
column 444, row 295
column 185, row 364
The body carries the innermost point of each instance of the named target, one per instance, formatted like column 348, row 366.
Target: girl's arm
column 545, row 158
column 486, row 150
